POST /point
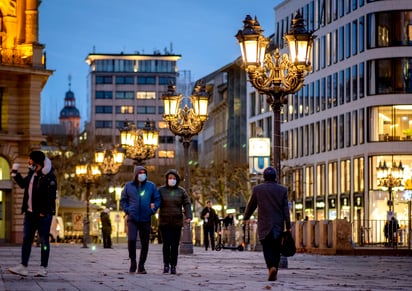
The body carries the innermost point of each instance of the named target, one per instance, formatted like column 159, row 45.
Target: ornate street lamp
column 272, row 74
column 140, row 144
column 87, row 174
column 186, row 122
column 390, row 179
column 109, row 161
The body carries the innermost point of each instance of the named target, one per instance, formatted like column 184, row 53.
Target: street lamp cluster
column 185, row 118
column 106, row 162
column 390, row 179
column 272, row 74
column 139, row 144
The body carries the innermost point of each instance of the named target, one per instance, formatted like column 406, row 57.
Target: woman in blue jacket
column 140, row 199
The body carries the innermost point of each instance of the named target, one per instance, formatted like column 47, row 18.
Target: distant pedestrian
column 271, row 200
column 106, row 228
column 174, row 199
column 140, row 199
column 39, row 206
column 393, row 231
column 228, row 220
column 210, row 222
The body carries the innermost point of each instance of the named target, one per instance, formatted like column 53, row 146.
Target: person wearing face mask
column 140, row 199
column 173, row 199
column 39, row 206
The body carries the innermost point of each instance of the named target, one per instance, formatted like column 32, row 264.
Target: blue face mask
column 141, row 177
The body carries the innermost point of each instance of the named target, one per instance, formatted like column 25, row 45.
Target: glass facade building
column 354, row 112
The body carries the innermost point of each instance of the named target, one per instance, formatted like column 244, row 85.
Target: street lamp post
column 274, row 75
column 87, row 174
column 186, row 122
column 390, row 179
column 140, row 144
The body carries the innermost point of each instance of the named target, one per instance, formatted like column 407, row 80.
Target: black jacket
column 43, row 192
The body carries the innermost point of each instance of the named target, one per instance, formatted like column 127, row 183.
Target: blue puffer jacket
column 137, row 197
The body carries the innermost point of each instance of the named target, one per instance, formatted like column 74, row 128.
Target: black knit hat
column 38, row 157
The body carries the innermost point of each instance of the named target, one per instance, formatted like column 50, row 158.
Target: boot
column 166, row 268
column 141, row 270
column 131, row 245
column 133, row 266
column 173, row 270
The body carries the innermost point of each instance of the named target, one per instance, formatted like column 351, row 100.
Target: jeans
column 143, row 228
column 271, row 250
column 171, row 238
column 209, row 231
column 41, row 224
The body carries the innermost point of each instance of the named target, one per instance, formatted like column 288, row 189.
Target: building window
column 320, row 180
column 104, row 124
column 341, row 44
column 167, row 80
column 104, row 80
column 358, row 175
column 252, row 98
column 309, row 177
column 348, row 80
column 146, row 109
column 341, row 131
column 341, row 87
column 361, row 126
column 124, row 80
column 390, row 76
column 128, row 95
column 348, row 129
column 146, row 95
column 151, row 80
column 354, row 41
column 345, row 173
column 390, row 123
column 361, row 80
column 355, row 127
column 361, row 34
column 166, row 154
column 329, row 134
column 354, row 82
column 104, row 95
column 125, row 109
column 166, row 139
column 335, row 132
column 333, row 178
column 348, row 40
column 104, row 109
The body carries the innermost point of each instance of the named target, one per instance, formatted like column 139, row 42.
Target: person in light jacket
column 173, row 199
column 140, row 199
column 271, row 200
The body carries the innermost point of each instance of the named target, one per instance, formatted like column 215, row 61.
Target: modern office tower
column 128, row 88
column 346, row 135
column 23, row 75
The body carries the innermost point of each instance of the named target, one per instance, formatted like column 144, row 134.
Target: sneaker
column 273, row 274
column 42, row 272
column 19, row 270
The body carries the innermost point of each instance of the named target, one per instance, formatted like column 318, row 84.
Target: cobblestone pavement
column 72, row 267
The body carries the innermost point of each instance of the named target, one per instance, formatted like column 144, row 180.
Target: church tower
column 69, row 115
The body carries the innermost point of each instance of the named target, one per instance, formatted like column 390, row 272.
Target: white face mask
column 32, row 167
column 171, row 182
column 141, row 177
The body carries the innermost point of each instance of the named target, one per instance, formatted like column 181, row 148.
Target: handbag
column 287, row 244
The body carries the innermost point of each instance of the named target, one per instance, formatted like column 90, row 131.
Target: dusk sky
column 202, row 32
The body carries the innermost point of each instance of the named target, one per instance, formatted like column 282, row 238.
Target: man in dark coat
column 271, row 199
column 106, row 228
column 210, row 221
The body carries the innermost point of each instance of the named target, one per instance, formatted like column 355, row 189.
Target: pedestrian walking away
column 106, row 228
column 171, row 217
column 38, row 207
column 210, row 222
column 271, row 200
column 140, row 199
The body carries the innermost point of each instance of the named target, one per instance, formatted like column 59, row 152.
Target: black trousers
column 171, row 238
